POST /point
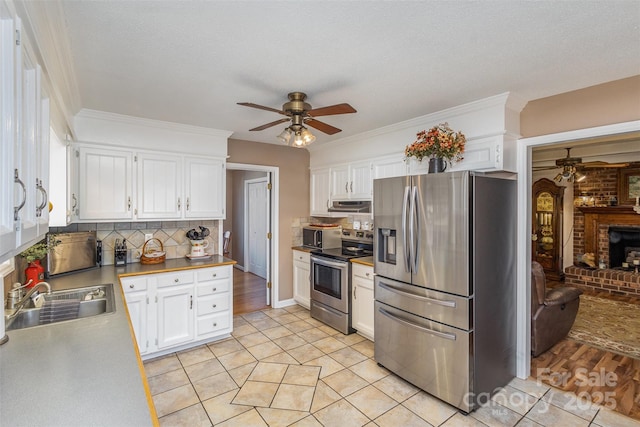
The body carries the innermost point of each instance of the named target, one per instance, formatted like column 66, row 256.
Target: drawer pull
column 214, row 306
column 445, row 303
column 215, row 289
column 176, row 280
column 367, row 274
column 215, row 274
column 215, row 324
column 132, row 286
column 438, row 334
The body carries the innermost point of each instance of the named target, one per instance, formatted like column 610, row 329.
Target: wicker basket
column 152, row 256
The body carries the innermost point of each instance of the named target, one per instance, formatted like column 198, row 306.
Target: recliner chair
column 553, row 311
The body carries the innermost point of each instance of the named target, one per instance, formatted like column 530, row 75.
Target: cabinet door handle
column 355, row 288
column 367, row 274
column 346, row 187
column 129, row 203
column 179, row 204
column 17, row 180
column 45, row 197
column 351, row 186
column 190, row 302
column 328, row 204
column 75, row 202
column 188, row 204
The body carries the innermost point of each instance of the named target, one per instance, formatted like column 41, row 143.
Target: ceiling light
column 285, row 136
column 298, row 141
column 307, row 136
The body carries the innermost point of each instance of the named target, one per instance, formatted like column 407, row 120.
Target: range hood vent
column 352, row 206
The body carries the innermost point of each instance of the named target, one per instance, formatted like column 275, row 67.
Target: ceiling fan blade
column 260, row 107
column 600, row 164
column 322, row 126
column 268, row 125
column 332, row 110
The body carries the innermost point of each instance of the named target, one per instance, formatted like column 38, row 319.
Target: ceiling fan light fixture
column 307, row 136
column 579, row 177
column 558, row 178
column 298, row 141
column 285, row 136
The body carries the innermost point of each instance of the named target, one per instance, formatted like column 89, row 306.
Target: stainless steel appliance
column 331, row 279
column 445, row 285
column 322, row 237
column 351, row 206
column 75, row 251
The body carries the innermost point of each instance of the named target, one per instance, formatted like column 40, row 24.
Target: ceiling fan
column 300, row 114
column 571, row 167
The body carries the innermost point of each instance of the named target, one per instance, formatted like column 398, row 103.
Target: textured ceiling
column 191, row 61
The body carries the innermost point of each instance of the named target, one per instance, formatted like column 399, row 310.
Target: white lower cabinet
column 176, row 310
column 362, row 304
column 301, row 282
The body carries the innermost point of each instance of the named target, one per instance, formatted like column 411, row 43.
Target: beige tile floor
column 281, row 368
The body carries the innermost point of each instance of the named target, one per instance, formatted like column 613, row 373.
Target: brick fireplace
column 591, row 235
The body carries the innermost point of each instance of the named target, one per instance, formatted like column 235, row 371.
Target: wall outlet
column 148, row 237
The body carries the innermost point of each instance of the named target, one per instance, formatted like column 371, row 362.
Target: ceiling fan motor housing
column 296, row 104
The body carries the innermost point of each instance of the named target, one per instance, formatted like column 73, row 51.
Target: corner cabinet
column 177, row 310
column 301, row 278
column 363, row 299
column 115, row 184
column 546, row 247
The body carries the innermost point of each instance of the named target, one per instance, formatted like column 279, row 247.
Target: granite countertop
column 367, row 260
column 82, row 372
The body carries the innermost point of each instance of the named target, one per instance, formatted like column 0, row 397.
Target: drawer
column 213, row 323
column 450, row 309
column 177, row 278
column 302, row 256
column 213, row 304
column 213, row 287
column 134, row 284
column 363, row 271
column 206, row 274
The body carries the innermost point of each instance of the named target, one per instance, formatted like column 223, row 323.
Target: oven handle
column 451, row 304
column 438, row 334
column 324, row 261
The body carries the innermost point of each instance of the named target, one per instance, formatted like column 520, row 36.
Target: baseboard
column 285, row 303
column 239, row 267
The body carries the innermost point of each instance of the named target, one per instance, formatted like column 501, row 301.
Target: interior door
column 257, row 215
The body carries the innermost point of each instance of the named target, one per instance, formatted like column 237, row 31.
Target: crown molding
column 150, row 123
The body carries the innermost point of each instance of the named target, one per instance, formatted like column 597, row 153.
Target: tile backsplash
column 172, row 234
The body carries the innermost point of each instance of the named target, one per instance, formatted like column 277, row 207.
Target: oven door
column 330, row 282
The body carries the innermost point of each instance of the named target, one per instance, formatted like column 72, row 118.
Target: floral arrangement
column 39, row 250
column 439, row 141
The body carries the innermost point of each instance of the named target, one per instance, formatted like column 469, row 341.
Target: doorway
column 252, row 206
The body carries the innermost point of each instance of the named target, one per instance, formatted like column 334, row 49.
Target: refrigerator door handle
column 405, row 236
column 445, row 303
column 414, row 232
column 438, row 334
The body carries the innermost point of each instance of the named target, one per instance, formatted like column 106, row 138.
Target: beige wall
column 608, row 103
column 293, row 164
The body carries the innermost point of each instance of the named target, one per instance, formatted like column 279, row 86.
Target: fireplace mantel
column 595, row 216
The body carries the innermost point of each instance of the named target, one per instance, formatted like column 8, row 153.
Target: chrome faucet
column 18, row 306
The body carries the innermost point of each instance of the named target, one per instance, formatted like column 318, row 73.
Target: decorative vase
column 34, row 272
column 437, row 165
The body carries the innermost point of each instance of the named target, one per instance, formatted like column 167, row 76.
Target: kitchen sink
column 66, row 305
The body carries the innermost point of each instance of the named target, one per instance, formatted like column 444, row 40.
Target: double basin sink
column 66, row 305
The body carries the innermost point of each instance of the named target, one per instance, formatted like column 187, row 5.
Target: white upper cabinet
column 388, row 167
column 105, row 184
column 352, row 181
column 117, row 185
column 320, row 191
column 159, row 186
column 205, row 188
column 7, row 133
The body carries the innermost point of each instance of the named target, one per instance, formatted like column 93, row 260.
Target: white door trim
column 275, row 223
column 523, row 282
column 265, row 181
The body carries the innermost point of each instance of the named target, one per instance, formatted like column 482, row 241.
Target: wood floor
column 249, row 292
column 591, row 373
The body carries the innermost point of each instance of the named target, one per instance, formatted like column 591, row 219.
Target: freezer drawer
column 429, row 355
column 434, row 305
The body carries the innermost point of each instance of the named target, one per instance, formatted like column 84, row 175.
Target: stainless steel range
column 331, row 279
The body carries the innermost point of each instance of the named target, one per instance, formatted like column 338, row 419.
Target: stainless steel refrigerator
column 445, row 287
